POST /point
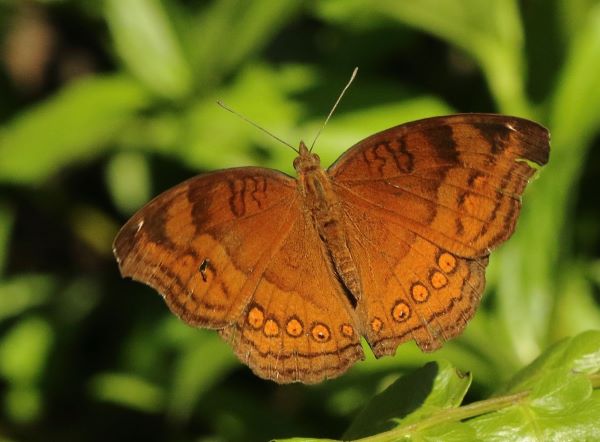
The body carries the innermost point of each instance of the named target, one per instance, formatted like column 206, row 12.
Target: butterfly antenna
column 334, row 106
column 248, row 120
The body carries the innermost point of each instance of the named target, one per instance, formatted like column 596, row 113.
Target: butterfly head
column 306, row 161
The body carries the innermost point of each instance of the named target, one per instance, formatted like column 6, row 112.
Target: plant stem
column 457, row 414
column 449, row 415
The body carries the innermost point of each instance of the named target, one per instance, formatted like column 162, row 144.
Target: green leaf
column 426, row 391
column 246, row 26
column 128, row 179
column 210, row 27
column 575, row 110
column 256, row 22
column 561, row 404
column 147, row 42
column 528, row 281
column 553, row 421
column 572, row 16
column 490, row 31
column 215, row 138
column 447, row 432
column 554, row 400
column 24, row 351
column 580, row 354
column 23, row 403
column 73, row 125
column 576, row 309
column 305, row 439
column 128, row 391
column 559, row 389
column 24, row 291
column 529, row 278
column 205, row 360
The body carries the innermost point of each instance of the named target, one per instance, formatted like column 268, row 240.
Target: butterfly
column 389, row 243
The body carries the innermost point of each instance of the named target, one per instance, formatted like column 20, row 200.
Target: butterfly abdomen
column 327, row 217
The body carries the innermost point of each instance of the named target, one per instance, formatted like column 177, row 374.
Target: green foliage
column 412, row 398
column 74, row 125
column 551, row 399
column 490, row 32
column 86, row 355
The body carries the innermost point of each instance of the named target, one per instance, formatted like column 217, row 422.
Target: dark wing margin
column 495, row 129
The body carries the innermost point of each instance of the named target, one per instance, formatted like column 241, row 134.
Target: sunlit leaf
column 529, row 278
column 23, row 403
column 428, row 390
column 22, row 292
column 24, row 350
column 216, row 138
column 204, row 362
column 127, row 390
column 575, row 111
column 246, row 26
column 66, row 128
column 256, row 21
column 146, row 41
column 128, row 178
column 561, row 402
column 490, row 32
column 581, row 353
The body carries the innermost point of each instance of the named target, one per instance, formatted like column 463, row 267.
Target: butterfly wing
column 425, row 202
column 299, row 326
column 187, row 242
column 232, row 250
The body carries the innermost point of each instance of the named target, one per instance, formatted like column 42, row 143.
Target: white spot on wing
column 139, row 226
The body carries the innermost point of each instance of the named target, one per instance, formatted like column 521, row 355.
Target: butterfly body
column 326, row 215
column 390, row 243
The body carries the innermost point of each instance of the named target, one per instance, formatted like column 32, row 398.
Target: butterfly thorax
column 306, row 161
column 323, row 207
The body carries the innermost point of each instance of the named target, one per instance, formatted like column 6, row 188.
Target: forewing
column 203, row 244
column 455, row 180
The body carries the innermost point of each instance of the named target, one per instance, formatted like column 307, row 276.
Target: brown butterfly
column 390, row 243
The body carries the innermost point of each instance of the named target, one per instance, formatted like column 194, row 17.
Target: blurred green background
column 104, row 104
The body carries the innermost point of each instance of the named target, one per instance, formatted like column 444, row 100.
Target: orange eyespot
column 401, row 312
column 438, row 280
column 271, row 328
column 320, row 333
column 256, row 317
column 294, row 327
column 419, row 292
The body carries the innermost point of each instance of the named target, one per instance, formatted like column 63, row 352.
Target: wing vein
column 425, row 198
column 399, row 215
column 431, row 168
